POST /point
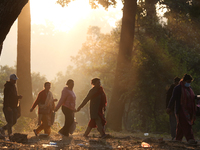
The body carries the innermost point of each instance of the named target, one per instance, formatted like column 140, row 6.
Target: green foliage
column 160, row 53
column 195, row 127
column 37, row 83
column 1, row 123
column 5, row 72
column 94, row 3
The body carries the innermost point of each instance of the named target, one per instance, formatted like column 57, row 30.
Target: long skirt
column 184, row 128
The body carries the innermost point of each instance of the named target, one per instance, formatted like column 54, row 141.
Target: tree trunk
column 116, row 105
column 9, row 11
column 23, row 60
column 152, row 18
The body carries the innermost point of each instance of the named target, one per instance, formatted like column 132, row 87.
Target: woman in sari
column 184, row 98
column 46, row 106
column 98, row 103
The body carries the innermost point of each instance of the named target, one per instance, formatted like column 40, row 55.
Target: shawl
column 49, row 103
column 103, row 99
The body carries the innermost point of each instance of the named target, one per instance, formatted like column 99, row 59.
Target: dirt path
column 115, row 141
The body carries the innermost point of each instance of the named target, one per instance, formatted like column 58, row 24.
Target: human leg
column 100, row 127
column 11, row 119
column 179, row 132
column 87, row 131
column 47, row 128
column 186, row 128
column 173, row 124
column 39, row 128
column 69, row 119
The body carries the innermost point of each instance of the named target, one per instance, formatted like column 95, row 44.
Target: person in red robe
column 98, row 102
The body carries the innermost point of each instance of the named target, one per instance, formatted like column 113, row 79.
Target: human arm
column 84, row 102
column 62, row 99
column 169, row 94
column 36, row 102
column 19, row 96
column 176, row 95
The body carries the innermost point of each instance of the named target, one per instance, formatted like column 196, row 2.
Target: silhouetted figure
column 10, row 104
column 46, row 105
column 172, row 117
column 98, row 103
column 68, row 102
column 184, row 97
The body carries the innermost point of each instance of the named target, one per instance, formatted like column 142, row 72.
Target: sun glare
column 66, row 18
column 63, row 18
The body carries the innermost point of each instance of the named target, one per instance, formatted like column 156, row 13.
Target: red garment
column 102, row 106
column 183, row 128
column 188, row 103
column 41, row 98
column 186, row 116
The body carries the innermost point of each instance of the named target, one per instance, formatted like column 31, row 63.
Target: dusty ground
column 123, row 141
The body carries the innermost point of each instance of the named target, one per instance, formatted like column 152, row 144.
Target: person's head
column 187, row 79
column 13, row 78
column 70, row 84
column 96, row 82
column 176, row 80
column 47, row 86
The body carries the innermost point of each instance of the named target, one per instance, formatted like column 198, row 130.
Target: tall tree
column 117, row 102
column 23, row 59
column 116, row 106
column 9, row 11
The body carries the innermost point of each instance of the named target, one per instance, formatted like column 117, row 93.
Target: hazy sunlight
column 63, row 18
column 63, row 35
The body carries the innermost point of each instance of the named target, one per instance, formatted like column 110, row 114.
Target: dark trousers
column 183, row 128
column 69, row 119
column 11, row 119
column 173, row 124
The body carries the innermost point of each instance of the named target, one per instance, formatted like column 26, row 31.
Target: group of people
column 180, row 103
column 181, row 107
column 47, row 108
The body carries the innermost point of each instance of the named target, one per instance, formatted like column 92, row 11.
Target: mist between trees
column 160, row 53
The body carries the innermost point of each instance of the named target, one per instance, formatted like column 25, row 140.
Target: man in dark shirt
column 10, row 104
column 172, row 117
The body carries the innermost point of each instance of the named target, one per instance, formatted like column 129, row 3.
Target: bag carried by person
column 19, row 138
column 53, row 114
column 73, row 127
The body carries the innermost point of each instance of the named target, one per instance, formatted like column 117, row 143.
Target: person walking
column 172, row 117
column 98, row 102
column 10, row 104
column 184, row 98
column 68, row 102
column 46, row 105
